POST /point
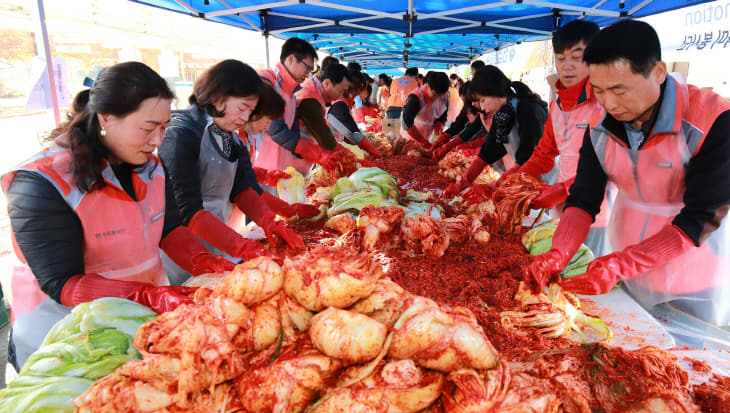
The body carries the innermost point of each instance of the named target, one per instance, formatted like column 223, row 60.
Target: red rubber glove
column 572, row 230
column 507, row 173
column 273, row 227
column 269, row 177
column 314, row 153
column 286, row 210
column 216, row 233
column 478, row 193
column 441, row 152
column 368, row 147
column 415, row 134
column 551, row 195
column 604, row 272
column 87, row 287
column 466, row 180
column 189, row 253
column 441, row 140
column 366, row 163
column 438, row 128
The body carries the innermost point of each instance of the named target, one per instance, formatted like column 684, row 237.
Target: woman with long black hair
column 89, row 213
column 517, row 116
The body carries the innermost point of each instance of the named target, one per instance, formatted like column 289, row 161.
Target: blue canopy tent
column 425, row 33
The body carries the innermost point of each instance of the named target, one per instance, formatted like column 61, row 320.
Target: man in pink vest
column 281, row 146
column 563, row 132
column 665, row 145
column 426, row 109
column 329, row 85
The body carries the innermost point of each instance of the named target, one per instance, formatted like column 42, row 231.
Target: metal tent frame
column 399, row 33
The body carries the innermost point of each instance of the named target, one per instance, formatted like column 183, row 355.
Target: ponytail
column 522, row 91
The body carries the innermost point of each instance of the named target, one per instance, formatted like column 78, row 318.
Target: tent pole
column 49, row 62
column 266, row 42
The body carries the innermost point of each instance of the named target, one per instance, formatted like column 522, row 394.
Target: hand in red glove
column 438, row 128
column 441, row 141
column 550, row 196
column 216, row 233
column 87, row 287
column 604, row 272
column 161, row 299
column 205, row 263
column 507, row 173
column 269, row 177
column 478, row 193
column 466, row 180
column 286, row 210
column 314, row 153
column 441, row 152
column 271, row 226
column 572, row 230
column 368, row 147
column 415, row 134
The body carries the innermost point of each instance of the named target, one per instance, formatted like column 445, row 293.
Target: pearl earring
column 102, row 132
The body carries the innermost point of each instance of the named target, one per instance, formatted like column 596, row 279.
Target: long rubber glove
column 469, row 176
column 87, row 287
column 536, row 164
column 216, row 233
column 441, row 141
column 448, row 146
column 604, row 272
column 572, row 230
column 190, row 254
column 254, row 206
column 478, row 193
column 269, row 177
column 314, row 153
column 368, row 147
column 415, row 134
column 286, row 210
column 438, row 128
column 552, row 195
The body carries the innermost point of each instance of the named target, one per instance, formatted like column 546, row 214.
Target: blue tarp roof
column 399, row 33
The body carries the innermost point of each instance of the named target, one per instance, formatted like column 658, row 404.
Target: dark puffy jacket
column 179, row 153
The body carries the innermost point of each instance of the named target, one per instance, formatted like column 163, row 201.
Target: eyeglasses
column 309, row 67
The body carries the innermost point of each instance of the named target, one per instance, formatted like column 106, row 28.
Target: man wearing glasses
column 281, row 146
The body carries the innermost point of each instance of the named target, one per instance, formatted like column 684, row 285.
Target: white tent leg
column 266, row 42
column 49, row 62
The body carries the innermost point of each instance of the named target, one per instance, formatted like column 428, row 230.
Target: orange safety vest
column 312, row 89
column 651, row 183
column 455, row 104
column 271, row 155
column 429, row 112
column 121, row 238
column 568, row 130
column 122, row 242
column 400, row 89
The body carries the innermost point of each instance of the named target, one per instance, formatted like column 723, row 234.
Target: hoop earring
column 102, row 132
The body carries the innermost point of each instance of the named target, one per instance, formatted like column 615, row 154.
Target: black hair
column 270, row 103
column 453, row 76
column 476, row 65
column 490, row 81
column 301, row 49
column 633, row 40
column 420, row 76
column 384, row 77
column 223, row 80
column 328, row 60
column 119, row 91
column 438, row 82
column 334, row 72
column 354, row 67
column 573, row 33
column 412, row 71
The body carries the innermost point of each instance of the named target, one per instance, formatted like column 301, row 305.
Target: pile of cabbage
column 86, row 345
column 540, row 239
